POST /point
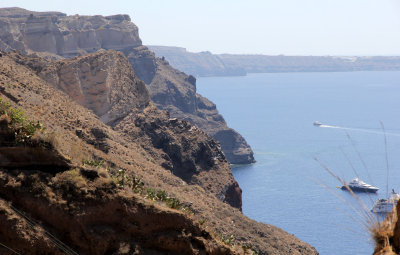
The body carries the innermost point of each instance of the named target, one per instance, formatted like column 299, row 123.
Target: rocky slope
column 55, row 35
column 105, row 83
column 114, row 190
column 50, row 205
column 208, row 64
column 175, row 92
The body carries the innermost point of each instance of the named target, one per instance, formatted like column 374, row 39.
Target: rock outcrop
column 38, row 155
column 103, row 82
column 175, row 92
column 120, row 200
column 184, row 150
column 55, row 35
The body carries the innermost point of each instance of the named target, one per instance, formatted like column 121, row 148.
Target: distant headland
column 207, row 64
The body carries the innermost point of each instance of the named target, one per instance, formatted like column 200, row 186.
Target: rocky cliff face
column 105, row 83
column 56, row 35
column 175, row 92
column 108, row 191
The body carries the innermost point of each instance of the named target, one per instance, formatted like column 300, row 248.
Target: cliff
column 105, row 83
column 57, row 36
column 121, row 189
column 198, row 64
column 208, row 64
column 281, row 63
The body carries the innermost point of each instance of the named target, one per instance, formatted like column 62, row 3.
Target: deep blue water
column 287, row 187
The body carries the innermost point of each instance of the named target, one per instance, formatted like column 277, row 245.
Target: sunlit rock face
column 56, row 35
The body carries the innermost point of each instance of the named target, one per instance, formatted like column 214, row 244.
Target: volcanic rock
column 105, row 83
column 56, row 35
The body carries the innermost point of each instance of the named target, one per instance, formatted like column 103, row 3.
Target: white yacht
column 386, row 205
column 358, row 185
column 317, row 123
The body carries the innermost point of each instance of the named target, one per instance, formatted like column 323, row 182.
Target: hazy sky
column 290, row 27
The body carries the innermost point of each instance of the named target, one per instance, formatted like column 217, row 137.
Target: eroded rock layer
column 57, row 35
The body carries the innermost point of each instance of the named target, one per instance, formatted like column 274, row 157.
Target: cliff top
column 16, row 12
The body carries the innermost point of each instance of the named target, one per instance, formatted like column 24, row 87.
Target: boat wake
column 360, row 130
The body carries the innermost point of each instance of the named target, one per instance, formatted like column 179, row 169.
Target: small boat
column 317, row 123
column 386, row 205
column 358, row 185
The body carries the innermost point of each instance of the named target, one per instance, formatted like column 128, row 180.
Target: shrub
column 174, row 203
column 228, row 240
column 161, row 195
column 151, row 193
column 136, row 184
column 4, row 106
column 70, row 180
column 94, row 163
column 24, row 129
column 248, row 249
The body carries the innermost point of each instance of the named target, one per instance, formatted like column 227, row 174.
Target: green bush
column 228, row 240
column 4, row 106
column 161, row 195
column 174, row 203
column 248, row 249
column 136, row 184
column 24, row 129
column 94, row 163
column 202, row 221
column 151, row 193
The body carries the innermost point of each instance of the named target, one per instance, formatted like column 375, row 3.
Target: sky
column 271, row 27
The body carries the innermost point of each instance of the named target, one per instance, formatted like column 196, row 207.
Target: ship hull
column 358, row 189
column 386, row 207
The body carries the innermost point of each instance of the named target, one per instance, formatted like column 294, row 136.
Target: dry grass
column 383, row 233
column 72, row 178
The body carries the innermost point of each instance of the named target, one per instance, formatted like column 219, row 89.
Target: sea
column 294, row 184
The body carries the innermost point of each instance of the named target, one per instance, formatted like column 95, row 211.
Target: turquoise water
column 287, row 187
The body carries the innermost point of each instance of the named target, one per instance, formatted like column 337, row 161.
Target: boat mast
column 387, row 160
